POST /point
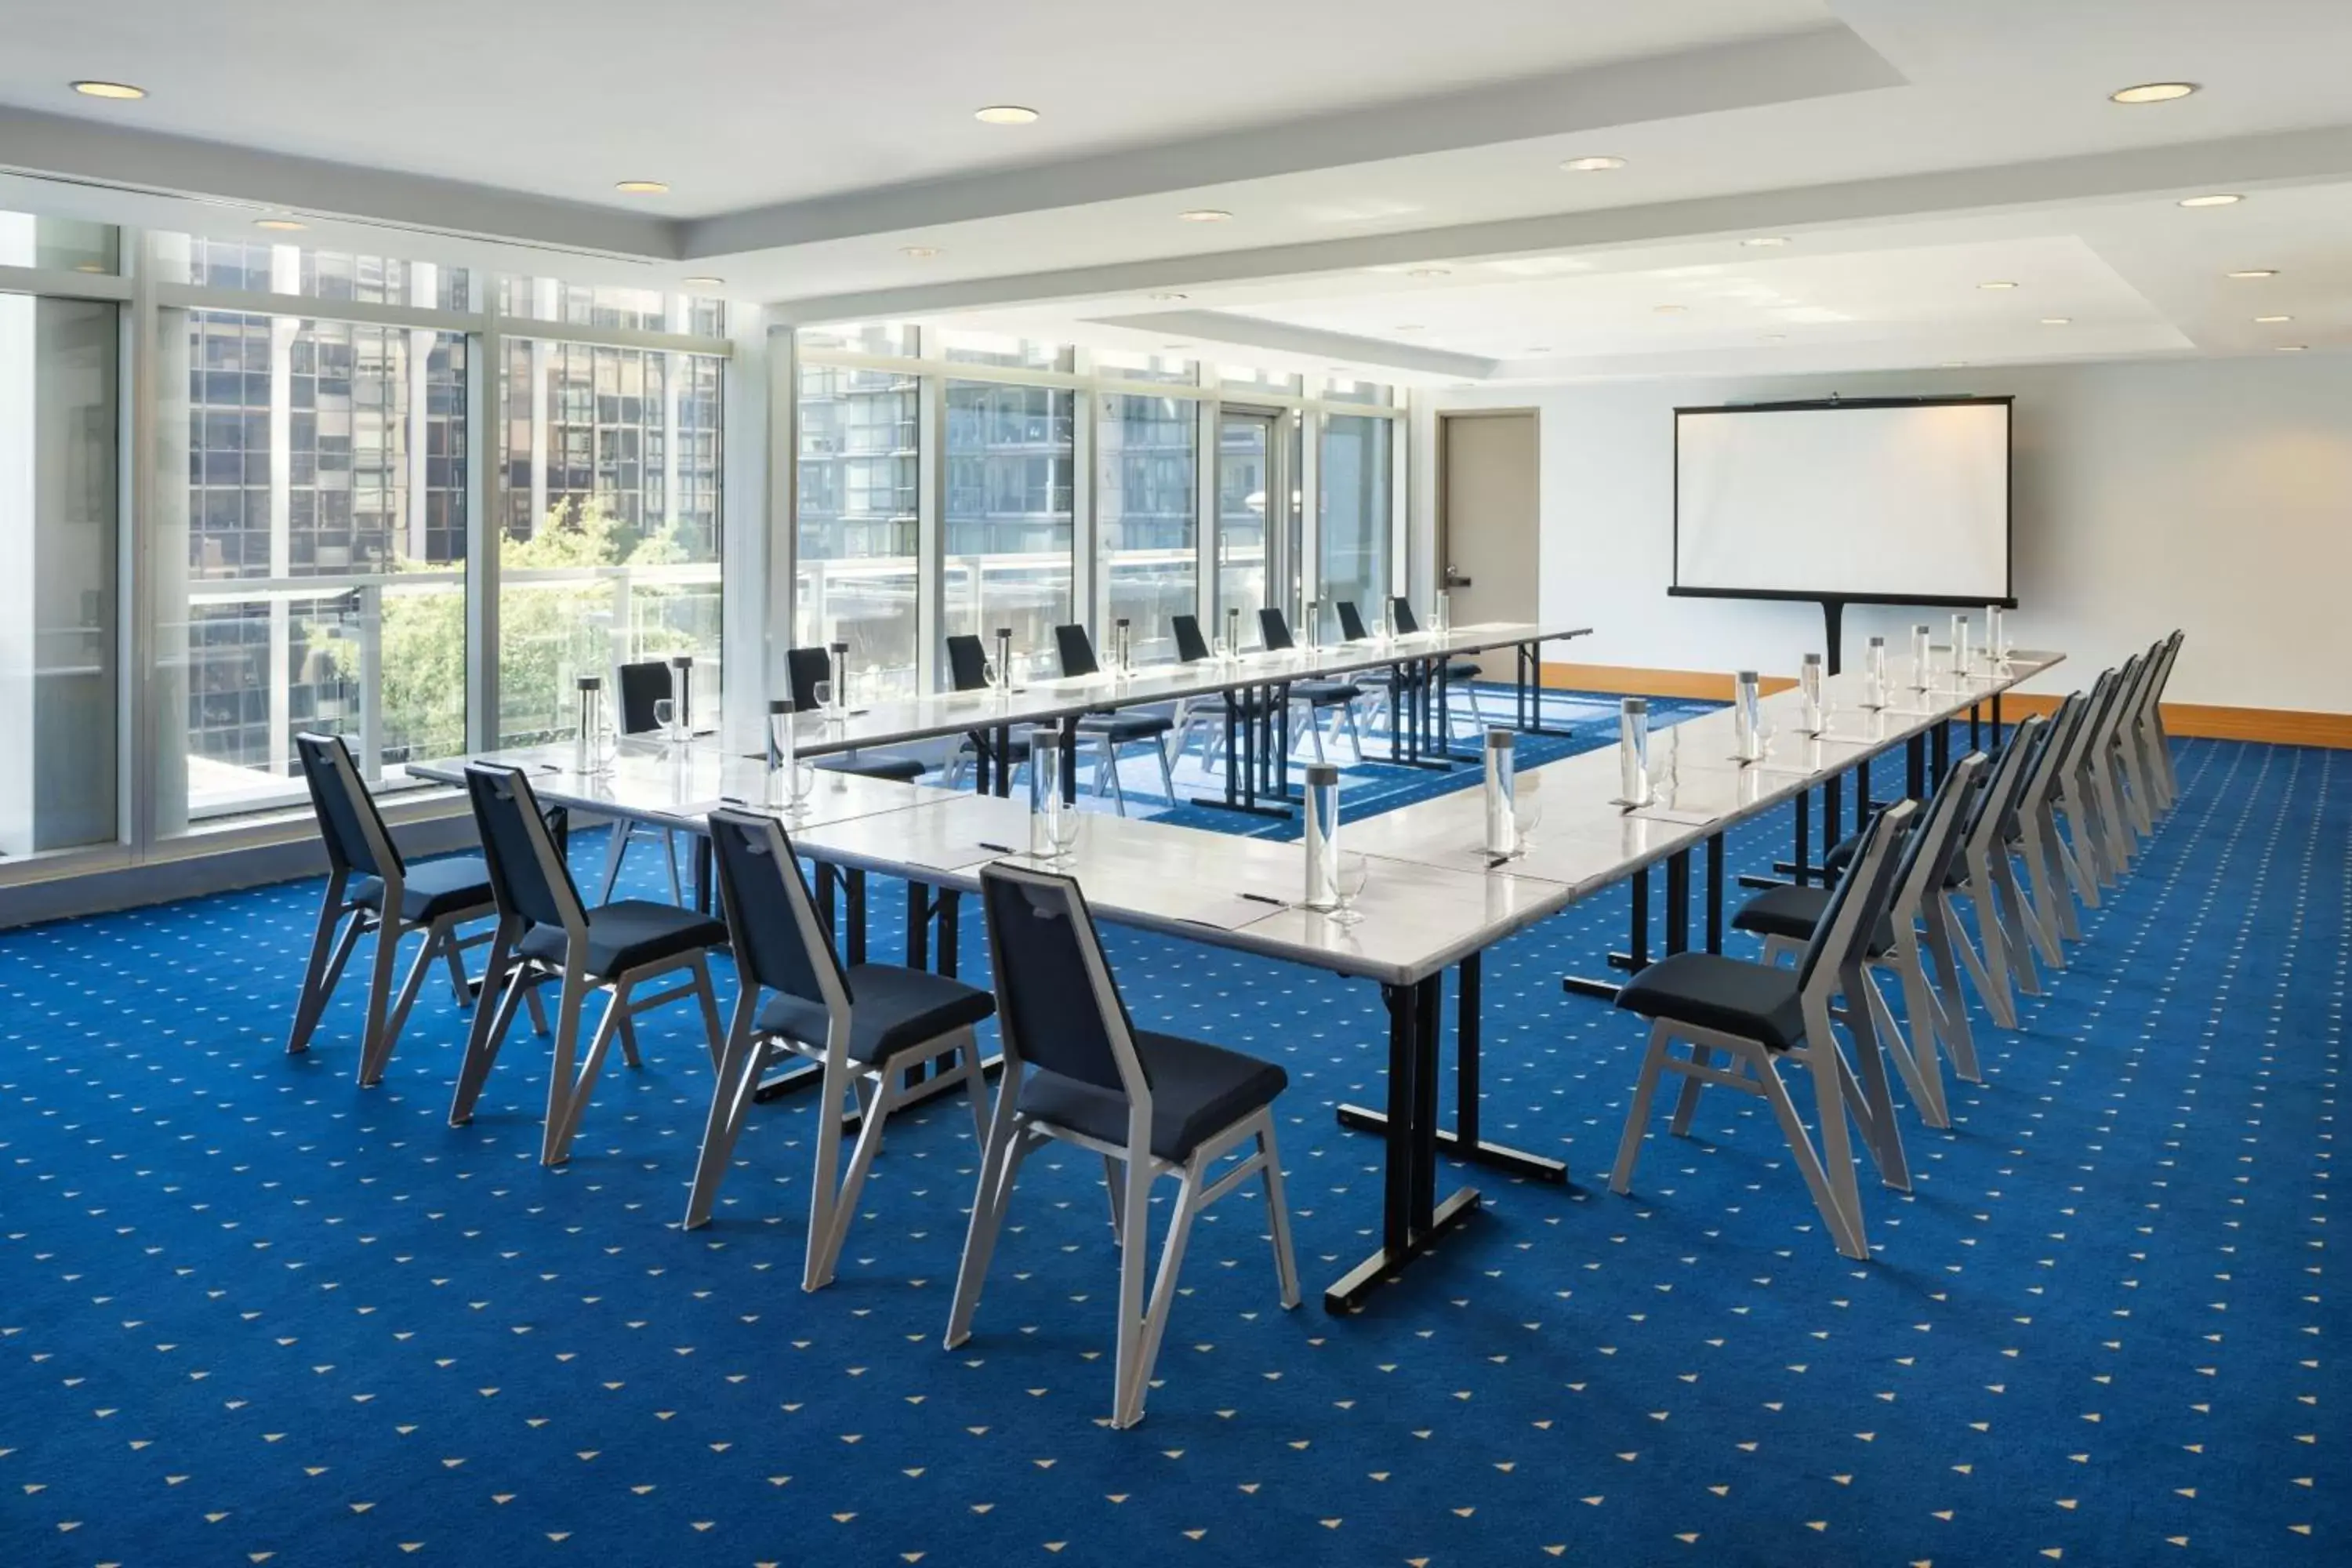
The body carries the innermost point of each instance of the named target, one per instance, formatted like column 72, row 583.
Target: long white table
column 1434, row 900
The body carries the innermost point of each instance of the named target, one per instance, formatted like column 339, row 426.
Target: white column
column 19, row 614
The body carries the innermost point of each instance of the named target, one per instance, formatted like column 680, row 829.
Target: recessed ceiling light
column 1776, row 337
column 1592, row 165
column 1670, row 310
column 2268, row 320
column 920, row 252
column 2251, row 272
column 1430, row 272
column 1005, row 114
column 1763, row 239
column 1953, row 365
column 1175, row 345
column 1411, row 327
column 1167, row 297
column 642, row 187
column 279, row 224
column 2152, row 92
column 1539, row 348
column 1205, row 215
column 2057, row 321
column 2293, row 348
column 2212, row 201
column 89, row 267
column 701, row 282
column 117, row 89
column 1997, row 283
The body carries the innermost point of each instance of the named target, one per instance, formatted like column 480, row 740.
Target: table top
column 904, row 719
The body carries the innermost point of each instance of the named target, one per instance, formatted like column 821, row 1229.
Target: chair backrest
column 1401, row 617
column 1859, row 901
column 803, row 667
column 349, row 823
column 2086, row 724
column 2049, row 758
column 1928, row 852
column 1273, row 631
column 1075, row 649
column 1352, row 625
column 967, row 662
column 528, row 879
column 771, row 920
column 1191, row 646
column 641, row 686
column 1058, row 1008
column 1994, row 816
column 2169, row 655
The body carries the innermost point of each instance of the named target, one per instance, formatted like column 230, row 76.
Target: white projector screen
column 1903, row 502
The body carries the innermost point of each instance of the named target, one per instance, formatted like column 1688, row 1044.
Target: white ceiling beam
column 1281, row 337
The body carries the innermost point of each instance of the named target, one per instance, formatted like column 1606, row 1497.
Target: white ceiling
column 1903, row 148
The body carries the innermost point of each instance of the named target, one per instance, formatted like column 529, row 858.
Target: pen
column 1261, row 899
column 1000, row 848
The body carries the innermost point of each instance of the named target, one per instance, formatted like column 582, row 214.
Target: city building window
column 857, row 579
column 1147, row 491
column 1009, row 519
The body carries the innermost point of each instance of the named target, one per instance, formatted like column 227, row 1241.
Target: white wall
column 2210, row 494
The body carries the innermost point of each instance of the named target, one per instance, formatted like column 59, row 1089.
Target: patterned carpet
column 250, row 1314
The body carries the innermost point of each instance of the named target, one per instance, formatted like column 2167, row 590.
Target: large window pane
column 1247, row 500
column 1147, row 472
column 267, row 268
column 609, row 548
column 1114, row 364
column 312, row 524
column 857, row 579
column 989, row 348
column 1009, row 461
column 896, row 339
column 58, row 530
column 603, row 305
column 1355, row 511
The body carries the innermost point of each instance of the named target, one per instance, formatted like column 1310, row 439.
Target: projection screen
column 1887, row 502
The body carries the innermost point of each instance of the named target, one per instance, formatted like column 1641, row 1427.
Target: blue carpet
column 250, row 1314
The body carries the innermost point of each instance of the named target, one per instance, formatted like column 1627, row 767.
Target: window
column 598, row 305
column 1343, row 391
column 987, row 348
column 313, row 513
column 1115, row 365
column 895, row 340
column 58, row 523
column 857, row 570
column 1355, row 511
column 266, row 268
column 1009, row 522
column 1147, row 472
column 608, row 553
column 1242, row 378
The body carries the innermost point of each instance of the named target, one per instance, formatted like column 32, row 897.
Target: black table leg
column 950, row 903
column 1411, row 1221
column 1832, row 813
column 1004, row 760
column 702, row 873
column 854, row 908
column 1715, row 892
column 1637, row 958
column 1914, row 768
column 918, row 926
column 827, row 878
column 1798, row 870
column 1241, row 792
column 1942, row 749
column 1862, row 794
column 1678, row 902
column 1069, row 760
column 1463, row 1140
column 1976, row 726
column 979, row 762
column 1530, row 693
column 1996, row 719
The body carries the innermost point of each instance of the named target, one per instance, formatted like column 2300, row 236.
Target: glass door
column 1257, row 514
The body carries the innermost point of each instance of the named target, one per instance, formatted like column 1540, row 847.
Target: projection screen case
column 1901, row 501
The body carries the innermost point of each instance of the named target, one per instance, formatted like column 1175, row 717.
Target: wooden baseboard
column 2273, row 726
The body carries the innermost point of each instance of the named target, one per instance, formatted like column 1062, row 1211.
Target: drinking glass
column 822, row 692
column 1065, row 834
column 1355, row 873
column 1525, row 820
column 666, row 717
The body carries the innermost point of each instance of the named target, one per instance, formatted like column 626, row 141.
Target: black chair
column 1111, row 728
column 546, row 935
column 1076, row 1068
column 1758, row 1015
column 640, row 685
column 1319, row 696
column 1459, row 671
column 866, row 1024
column 372, row 888
column 967, row 671
column 807, row 666
column 1787, row 918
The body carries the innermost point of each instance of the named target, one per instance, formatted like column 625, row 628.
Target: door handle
column 1454, row 579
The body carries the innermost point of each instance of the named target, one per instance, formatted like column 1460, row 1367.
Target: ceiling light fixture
column 1592, row 165
column 1163, row 298
column 279, row 224
column 2212, row 201
column 1539, row 348
column 1997, row 283
column 1670, row 310
column 702, row 281
column 2271, row 320
column 642, row 187
column 2293, row 348
column 920, row 252
column 2152, row 92
column 2245, row 273
column 114, row 90
column 1776, row 337
column 1205, row 215
column 1175, row 345
column 1764, row 239
column 1430, row 272
column 2057, row 321
column 1005, row 114
column 1953, row 365
column 1411, row 327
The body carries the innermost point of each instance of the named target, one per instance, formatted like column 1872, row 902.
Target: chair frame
column 1130, row 1169
column 2008, row 925
column 1837, row 1090
column 518, row 976
column 386, row 1016
column 881, row 1086
column 1092, row 727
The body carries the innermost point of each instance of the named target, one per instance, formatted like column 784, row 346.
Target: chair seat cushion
column 434, row 889
column 890, row 1010
column 1794, row 913
column 905, row 769
column 1462, row 669
column 1730, row 995
column 1197, row 1091
column 628, row 934
column 1124, row 727
column 1326, row 693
